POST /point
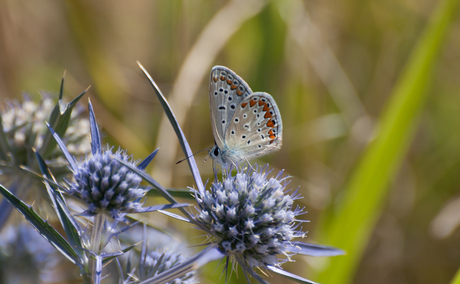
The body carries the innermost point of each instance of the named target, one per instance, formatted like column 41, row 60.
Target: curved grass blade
column 180, row 135
column 353, row 221
column 45, row 230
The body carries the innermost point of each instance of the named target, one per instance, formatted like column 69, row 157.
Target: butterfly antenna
column 193, row 155
column 209, row 154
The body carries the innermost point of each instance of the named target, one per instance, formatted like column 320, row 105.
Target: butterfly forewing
column 255, row 128
column 226, row 91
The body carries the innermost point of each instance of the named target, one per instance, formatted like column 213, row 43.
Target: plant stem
column 95, row 241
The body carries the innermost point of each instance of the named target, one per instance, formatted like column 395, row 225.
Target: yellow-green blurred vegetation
column 369, row 93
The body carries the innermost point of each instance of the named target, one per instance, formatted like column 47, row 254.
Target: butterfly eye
column 216, row 152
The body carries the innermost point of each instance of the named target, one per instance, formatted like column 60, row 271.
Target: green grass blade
column 352, row 223
column 456, row 279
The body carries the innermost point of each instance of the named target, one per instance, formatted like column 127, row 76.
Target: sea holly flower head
column 251, row 216
column 105, row 184
column 23, row 128
column 157, row 262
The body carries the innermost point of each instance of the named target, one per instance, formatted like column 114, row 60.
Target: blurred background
column 332, row 67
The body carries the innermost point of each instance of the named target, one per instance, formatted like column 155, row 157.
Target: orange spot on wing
column 272, row 136
column 271, row 132
column 215, row 78
column 268, row 115
column 239, row 92
column 233, row 87
column 270, row 123
column 261, row 103
column 271, row 141
column 252, row 103
column 222, row 77
column 244, row 105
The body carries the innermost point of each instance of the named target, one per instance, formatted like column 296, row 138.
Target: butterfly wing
column 255, row 128
column 226, row 91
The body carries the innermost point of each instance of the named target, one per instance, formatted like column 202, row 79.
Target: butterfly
column 245, row 125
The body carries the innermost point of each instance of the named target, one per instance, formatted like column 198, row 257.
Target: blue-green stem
column 95, row 241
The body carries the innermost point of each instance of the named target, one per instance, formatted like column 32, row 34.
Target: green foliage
column 355, row 217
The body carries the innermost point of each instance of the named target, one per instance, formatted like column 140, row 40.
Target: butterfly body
column 245, row 125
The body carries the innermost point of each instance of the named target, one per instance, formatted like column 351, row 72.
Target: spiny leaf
column 45, row 230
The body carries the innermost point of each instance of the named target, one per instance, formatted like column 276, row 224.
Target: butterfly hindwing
column 255, row 128
column 226, row 91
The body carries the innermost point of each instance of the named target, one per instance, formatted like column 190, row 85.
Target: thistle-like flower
column 23, row 131
column 103, row 183
column 250, row 216
column 159, row 261
column 107, row 186
column 24, row 128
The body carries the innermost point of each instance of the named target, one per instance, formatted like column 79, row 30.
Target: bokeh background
column 368, row 92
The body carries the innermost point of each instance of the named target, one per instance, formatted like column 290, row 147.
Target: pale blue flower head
column 103, row 182
column 251, row 215
column 105, row 185
column 157, row 262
